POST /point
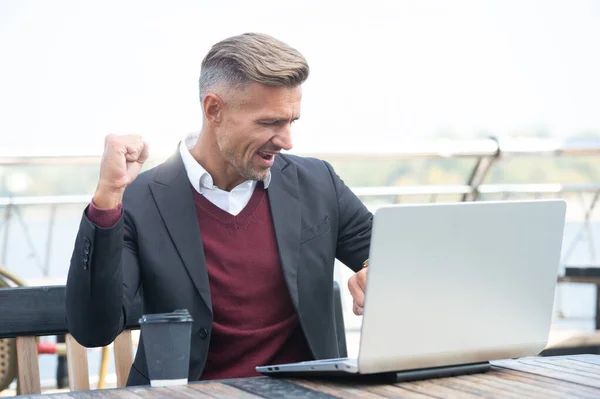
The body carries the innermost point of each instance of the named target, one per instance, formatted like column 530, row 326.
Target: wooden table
column 541, row 377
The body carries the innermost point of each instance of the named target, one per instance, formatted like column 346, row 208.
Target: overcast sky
column 381, row 71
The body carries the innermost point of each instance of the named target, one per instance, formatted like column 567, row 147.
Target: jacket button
column 86, row 250
column 203, row 333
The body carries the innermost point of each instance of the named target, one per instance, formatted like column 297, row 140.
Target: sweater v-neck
column 231, row 221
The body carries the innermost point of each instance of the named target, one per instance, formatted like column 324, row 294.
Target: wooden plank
column 220, row 390
column 276, row 387
column 551, row 364
column 185, row 391
column 95, row 394
column 27, row 365
column 530, row 385
column 577, row 363
column 539, row 369
column 496, row 380
column 112, row 393
column 395, row 391
column 127, row 394
column 123, row 354
column 506, row 387
column 77, row 364
column 24, row 309
column 162, row 392
column 543, row 384
column 134, row 392
column 432, row 387
column 574, row 365
column 66, row 395
column 337, row 390
column 480, row 390
column 37, row 311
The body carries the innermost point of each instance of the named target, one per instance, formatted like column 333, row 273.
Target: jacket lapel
column 172, row 193
column 285, row 211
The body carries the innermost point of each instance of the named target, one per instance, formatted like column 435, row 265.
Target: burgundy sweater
column 254, row 321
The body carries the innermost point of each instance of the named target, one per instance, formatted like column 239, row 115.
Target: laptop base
column 441, row 372
column 389, row 377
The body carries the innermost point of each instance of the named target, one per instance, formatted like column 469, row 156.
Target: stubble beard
column 245, row 170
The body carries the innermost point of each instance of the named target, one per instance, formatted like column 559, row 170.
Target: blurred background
column 411, row 101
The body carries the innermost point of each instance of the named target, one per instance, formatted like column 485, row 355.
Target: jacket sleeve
column 355, row 222
column 102, row 282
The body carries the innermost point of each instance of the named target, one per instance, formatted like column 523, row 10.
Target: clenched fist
column 122, row 161
column 357, row 285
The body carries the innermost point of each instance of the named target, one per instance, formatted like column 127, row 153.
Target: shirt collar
column 198, row 176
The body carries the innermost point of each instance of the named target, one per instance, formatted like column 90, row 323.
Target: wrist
column 106, row 198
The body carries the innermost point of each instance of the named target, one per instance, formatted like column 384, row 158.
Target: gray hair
column 252, row 57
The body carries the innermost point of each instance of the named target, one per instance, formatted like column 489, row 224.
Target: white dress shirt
column 232, row 202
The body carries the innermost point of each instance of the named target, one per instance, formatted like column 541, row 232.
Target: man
column 242, row 236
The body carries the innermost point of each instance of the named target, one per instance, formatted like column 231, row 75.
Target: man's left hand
column 357, row 285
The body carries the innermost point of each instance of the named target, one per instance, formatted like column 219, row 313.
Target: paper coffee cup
column 166, row 338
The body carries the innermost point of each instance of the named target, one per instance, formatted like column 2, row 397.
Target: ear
column 213, row 108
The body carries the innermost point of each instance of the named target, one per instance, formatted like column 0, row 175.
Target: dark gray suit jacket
column 155, row 250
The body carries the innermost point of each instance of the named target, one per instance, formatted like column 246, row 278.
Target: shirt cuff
column 102, row 217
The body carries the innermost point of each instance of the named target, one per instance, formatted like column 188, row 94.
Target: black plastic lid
column 177, row 316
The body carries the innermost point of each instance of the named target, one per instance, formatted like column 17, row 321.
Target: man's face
column 256, row 125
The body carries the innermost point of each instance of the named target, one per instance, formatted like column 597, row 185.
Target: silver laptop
column 453, row 286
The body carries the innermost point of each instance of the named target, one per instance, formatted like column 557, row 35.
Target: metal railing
column 484, row 152
column 439, row 148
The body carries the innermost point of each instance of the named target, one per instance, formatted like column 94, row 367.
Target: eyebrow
column 276, row 120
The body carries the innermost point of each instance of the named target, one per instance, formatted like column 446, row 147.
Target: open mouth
column 265, row 155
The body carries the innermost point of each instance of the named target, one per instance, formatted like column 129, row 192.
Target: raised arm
column 104, row 273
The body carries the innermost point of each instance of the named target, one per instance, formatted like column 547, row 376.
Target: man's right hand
column 122, row 161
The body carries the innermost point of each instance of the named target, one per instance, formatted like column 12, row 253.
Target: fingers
column 358, row 310
column 145, row 153
column 121, row 162
column 135, row 149
column 135, row 157
column 357, row 293
column 357, row 285
column 361, row 279
column 131, row 146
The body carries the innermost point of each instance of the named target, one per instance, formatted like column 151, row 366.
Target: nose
column 283, row 138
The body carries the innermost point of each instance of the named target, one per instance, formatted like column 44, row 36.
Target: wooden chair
column 8, row 347
column 30, row 312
